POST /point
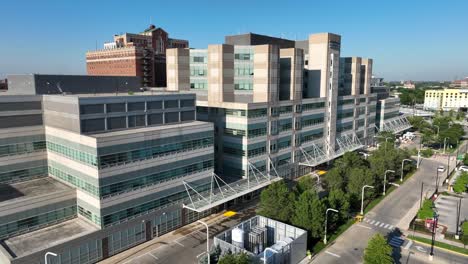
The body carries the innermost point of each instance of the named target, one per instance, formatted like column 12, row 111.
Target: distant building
column 463, row 83
column 142, row 54
column 3, row 85
column 388, row 108
column 409, row 85
column 446, row 99
column 287, row 244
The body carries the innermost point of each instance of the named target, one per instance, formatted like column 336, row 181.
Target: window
column 115, row 108
column 138, row 106
column 92, row 125
column 187, row 103
column 154, row 105
column 187, row 115
column 116, row 122
column 171, row 117
column 155, row 119
column 91, row 109
column 136, row 121
column 171, row 104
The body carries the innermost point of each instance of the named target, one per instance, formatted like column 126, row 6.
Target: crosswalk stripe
column 390, row 227
column 387, row 225
column 382, row 224
column 372, row 222
column 367, row 220
column 376, row 224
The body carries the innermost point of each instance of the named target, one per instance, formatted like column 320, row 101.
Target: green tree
column 335, row 179
column 378, row 251
column 305, row 183
column 339, row 200
column 460, row 183
column 239, row 258
column 465, row 159
column 276, row 202
column 309, row 213
column 350, row 159
column 359, row 177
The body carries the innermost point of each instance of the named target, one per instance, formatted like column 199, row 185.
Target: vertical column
column 266, row 74
column 367, row 64
column 220, row 74
column 178, row 69
column 324, row 58
column 356, row 76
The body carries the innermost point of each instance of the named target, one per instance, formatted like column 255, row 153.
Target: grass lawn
column 319, row 245
column 440, row 244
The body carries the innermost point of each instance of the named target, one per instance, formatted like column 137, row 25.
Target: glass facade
column 22, row 148
column 28, row 224
column 23, row 174
column 77, row 155
column 153, row 152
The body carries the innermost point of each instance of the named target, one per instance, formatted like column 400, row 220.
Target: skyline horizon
column 428, row 49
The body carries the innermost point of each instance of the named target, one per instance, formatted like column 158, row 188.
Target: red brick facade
column 135, row 55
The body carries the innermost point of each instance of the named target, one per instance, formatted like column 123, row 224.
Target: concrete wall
column 70, row 84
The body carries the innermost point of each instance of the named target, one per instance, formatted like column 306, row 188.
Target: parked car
column 463, row 168
column 441, row 168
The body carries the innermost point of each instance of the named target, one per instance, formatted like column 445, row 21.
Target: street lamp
column 402, row 163
column 264, row 254
column 437, row 181
column 438, row 128
column 364, row 154
column 362, row 197
column 434, row 230
column 47, row 254
column 385, row 179
column 207, row 240
column 386, row 139
column 445, row 143
column 326, row 223
column 419, row 159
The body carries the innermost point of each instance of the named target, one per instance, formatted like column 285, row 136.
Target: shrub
column 460, row 183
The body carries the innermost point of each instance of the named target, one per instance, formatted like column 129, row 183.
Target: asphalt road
column 384, row 219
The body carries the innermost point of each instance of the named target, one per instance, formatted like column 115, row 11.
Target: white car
column 463, row 168
column 441, row 168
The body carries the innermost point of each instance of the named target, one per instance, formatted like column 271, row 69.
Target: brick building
column 142, row 54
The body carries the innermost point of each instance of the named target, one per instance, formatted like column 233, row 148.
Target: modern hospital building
column 91, row 166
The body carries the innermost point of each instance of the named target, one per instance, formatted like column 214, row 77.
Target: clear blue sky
column 412, row 39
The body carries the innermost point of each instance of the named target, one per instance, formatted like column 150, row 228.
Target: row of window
column 27, row 224
column 135, row 106
column 21, row 148
column 23, row 174
column 312, row 122
column 313, row 106
column 152, row 205
column 152, row 152
column 83, row 157
column 75, row 181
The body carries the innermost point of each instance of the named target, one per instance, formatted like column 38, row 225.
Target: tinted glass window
column 92, row 125
column 172, row 117
column 154, row 105
column 155, row 119
column 187, row 115
column 139, row 106
column 187, row 103
column 171, row 104
column 91, row 109
column 116, row 122
column 118, row 107
column 136, row 121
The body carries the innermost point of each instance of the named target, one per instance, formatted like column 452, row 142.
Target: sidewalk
column 438, row 238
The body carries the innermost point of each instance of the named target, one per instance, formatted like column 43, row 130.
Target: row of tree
column 301, row 205
column 442, row 127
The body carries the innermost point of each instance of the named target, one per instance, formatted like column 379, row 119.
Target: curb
column 445, row 249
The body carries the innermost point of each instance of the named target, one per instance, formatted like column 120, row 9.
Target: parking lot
column 447, row 210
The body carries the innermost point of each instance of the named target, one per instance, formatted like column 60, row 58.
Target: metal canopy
column 396, row 124
column 316, row 156
column 221, row 192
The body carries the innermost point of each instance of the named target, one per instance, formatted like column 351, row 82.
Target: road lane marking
column 382, row 224
column 390, row 227
column 421, row 249
column 409, row 244
column 378, row 223
column 373, row 221
column 365, row 226
column 333, row 254
column 178, row 243
column 153, row 256
column 387, row 225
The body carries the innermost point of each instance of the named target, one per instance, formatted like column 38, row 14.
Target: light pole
column 364, row 154
column 448, row 167
column 445, row 143
column 438, row 128
column 419, row 159
column 434, row 230
column 385, row 179
column 402, row 163
column 437, row 181
column 326, row 223
column 207, row 240
column 362, row 197
column 386, row 139
column 47, row 254
column 264, row 254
